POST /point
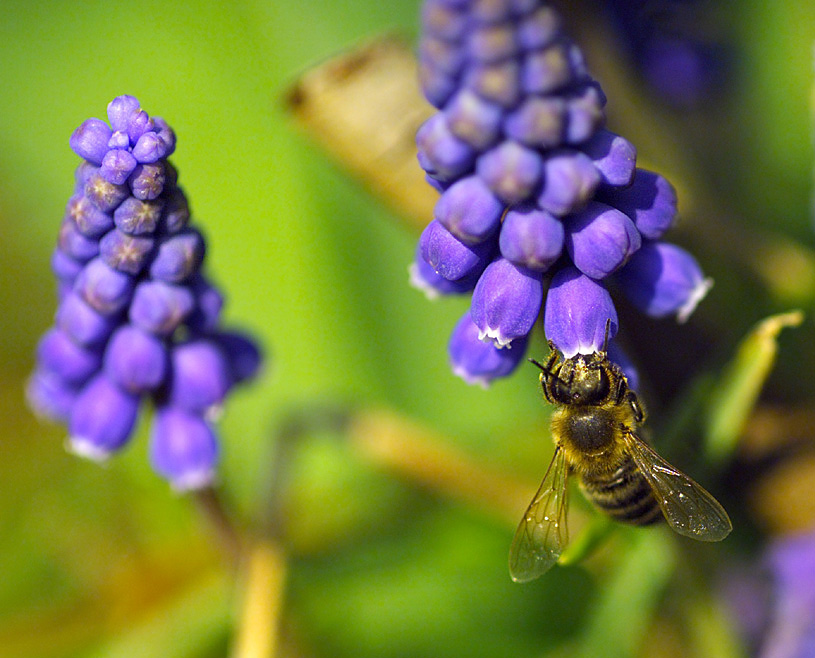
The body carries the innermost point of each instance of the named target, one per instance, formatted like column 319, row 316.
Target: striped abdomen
column 624, row 494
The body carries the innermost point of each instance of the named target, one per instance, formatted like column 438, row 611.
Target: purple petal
column 531, row 237
column 650, row 202
column 103, row 194
column 423, row 277
column 469, row 210
column 89, row 220
column 135, row 360
column 147, row 181
column 136, row 217
column 50, row 397
column 614, row 156
column 183, row 449
column 72, row 363
column 106, row 290
column 126, row 253
column 82, row 323
column 451, row 258
column 120, row 109
column 199, row 376
column 569, row 181
column 178, row 256
column 473, row 119
column 160, row 307
column 441, row 154
column 512, row 171
column 117, row 165
column 600, row 239
column 576, row 313
column 242, row 354
column 90, row 140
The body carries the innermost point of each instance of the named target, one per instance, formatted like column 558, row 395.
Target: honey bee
column 593, row 428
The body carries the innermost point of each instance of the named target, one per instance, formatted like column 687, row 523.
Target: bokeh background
column 387, row 557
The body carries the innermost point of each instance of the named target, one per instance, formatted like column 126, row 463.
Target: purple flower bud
column 106, row 290
column 531, row 237
column 149, row 148
column 120, row 109
column 442, row 154
column 82, row 323
column 137, row 217
column 166, row 134
column 618, row 356
column 135, row 360
column 178, row 257
column 450, row 257
column 539, row 121
column 437, row 185
column 82, row 174
column 242, row 354
column 548, row 70
column 71, row 242
column 119, row 140
column 473, row 119
column 183, row 449
column 102, row 419
column 511, row 170
column 506, row 302
column 662, row 279
column 469, row 210
column 176, row 213
column 50, row 397
column 117, row 166
column 441, row 20
column 89, row 220
column 59, row 355
column 90, row 140
column 437, row 86
column 650, row 202
column 440, row 55
column 103, row 194
column 147, row 181
column 138, row 124
column 208, row 304
column 614, row 156
column 478, row 362
column 600, row 239
column 539, row 29
column 423, row 277
column 499, row 82
column 65, row 268
column 585, row 115
column 200, row 376
column 576, row 313
column 569, row 182
column 491, row 43
column 126, row 253
column 160, row 307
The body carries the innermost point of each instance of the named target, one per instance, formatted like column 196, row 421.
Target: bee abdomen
column 624, row 495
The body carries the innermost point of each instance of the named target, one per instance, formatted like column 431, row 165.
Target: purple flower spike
column 50, row 397
column 576, row 313
column 102, row 419
column 469, row 210
column 441, row 154
column 90, row 140
column 82, row 323
column 106, row 290
column 498, row 82
column 478, row 362
column 160, row 307
column 614, row 156
column 242, row 354
column 138, row 124
column 473, row 119
column 59, row 355
column 511, row 170
column 183, row 449
column 449, row 256
column 570, row 180
column 423, row 277
column 120, row 109
column 135, row 360
column 600, row 239
column 74, row 244
column 89, row 220
column 103, row 194
column 178, row 257
column 117, row 166
column 200, row 376
column 506, row 302
column 147, row 181
column 662, row 279
column 650, row 201
column 126, row 253
column 531, row 237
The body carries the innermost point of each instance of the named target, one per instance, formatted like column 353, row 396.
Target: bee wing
column 542, row 533
column 688, row 508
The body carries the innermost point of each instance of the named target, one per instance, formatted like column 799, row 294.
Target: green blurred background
column 109, row 562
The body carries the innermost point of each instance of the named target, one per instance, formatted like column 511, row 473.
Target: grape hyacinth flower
column 541, row 207
column 137, row 318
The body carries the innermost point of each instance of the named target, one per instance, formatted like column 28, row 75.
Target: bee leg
column 633, row 400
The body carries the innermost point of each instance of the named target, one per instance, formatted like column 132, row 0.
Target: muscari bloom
column 541, row 206
column 137, row 319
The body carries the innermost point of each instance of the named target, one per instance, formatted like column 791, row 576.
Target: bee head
column 581, row 382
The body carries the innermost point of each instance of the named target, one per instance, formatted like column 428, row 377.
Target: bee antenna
column 605, row 336
column 537, row 363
